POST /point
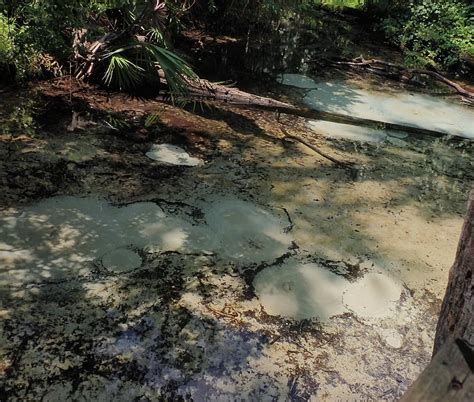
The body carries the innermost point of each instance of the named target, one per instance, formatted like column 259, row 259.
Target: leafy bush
column 6, row 43
column 41, row 37
column 432, row 32
column 39, row 32
column 7, row 57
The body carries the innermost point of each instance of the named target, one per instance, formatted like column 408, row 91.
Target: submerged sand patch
column 122, row 259
column 305, row 291
column 59, row 237
column 401, row 107
column 172, row 155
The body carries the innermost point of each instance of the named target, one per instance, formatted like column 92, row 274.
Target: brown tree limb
column 201, row 90
column 456, row 319
column 207, row 90
column 301, row 140
column 244, row 99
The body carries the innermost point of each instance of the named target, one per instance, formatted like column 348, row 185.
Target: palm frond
column 123, row 72
column 156, row 36
column 151, row 119
column 147, row 59
column 177, row 71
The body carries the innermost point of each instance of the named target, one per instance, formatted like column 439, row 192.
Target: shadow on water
column 74, row 328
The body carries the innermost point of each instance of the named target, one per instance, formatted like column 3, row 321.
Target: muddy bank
column 161, row 319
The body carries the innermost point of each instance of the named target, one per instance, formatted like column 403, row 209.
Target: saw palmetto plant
column 128, row 66
column 121, row 43
column 135, row 49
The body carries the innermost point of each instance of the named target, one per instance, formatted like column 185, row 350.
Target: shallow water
column 399, row 107
column 266, row 273
column 306, row 291
column 59, row 237
column 223, row 280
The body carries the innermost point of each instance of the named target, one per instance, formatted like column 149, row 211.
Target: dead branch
column 209, row 91
column 204, row 91
column 301, row 140
column 402, row 73
column 242, row 99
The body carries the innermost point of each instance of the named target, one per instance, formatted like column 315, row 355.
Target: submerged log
column 205, row 91
column 314, row 148
column 201, row 90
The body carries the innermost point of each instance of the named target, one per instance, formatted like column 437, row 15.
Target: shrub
column 38, row 36
column 432, row 32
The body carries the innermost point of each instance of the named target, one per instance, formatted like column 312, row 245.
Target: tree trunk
column 450, row 375
column 457, row 312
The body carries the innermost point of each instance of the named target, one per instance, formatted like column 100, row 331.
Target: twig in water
column 301, row 140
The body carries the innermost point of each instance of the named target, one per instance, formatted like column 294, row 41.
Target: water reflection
column 295, row 43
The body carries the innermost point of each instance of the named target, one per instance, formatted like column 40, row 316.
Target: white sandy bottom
column 304, row 291
column 172, row 155
column 58, row 237
column 404, row 108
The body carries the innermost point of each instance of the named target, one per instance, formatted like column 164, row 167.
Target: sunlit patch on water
column 347, row 131
column 246, row 233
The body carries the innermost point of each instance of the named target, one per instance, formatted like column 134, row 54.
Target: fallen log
column 405, row 74
column 205, row 91
column 201, row 90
